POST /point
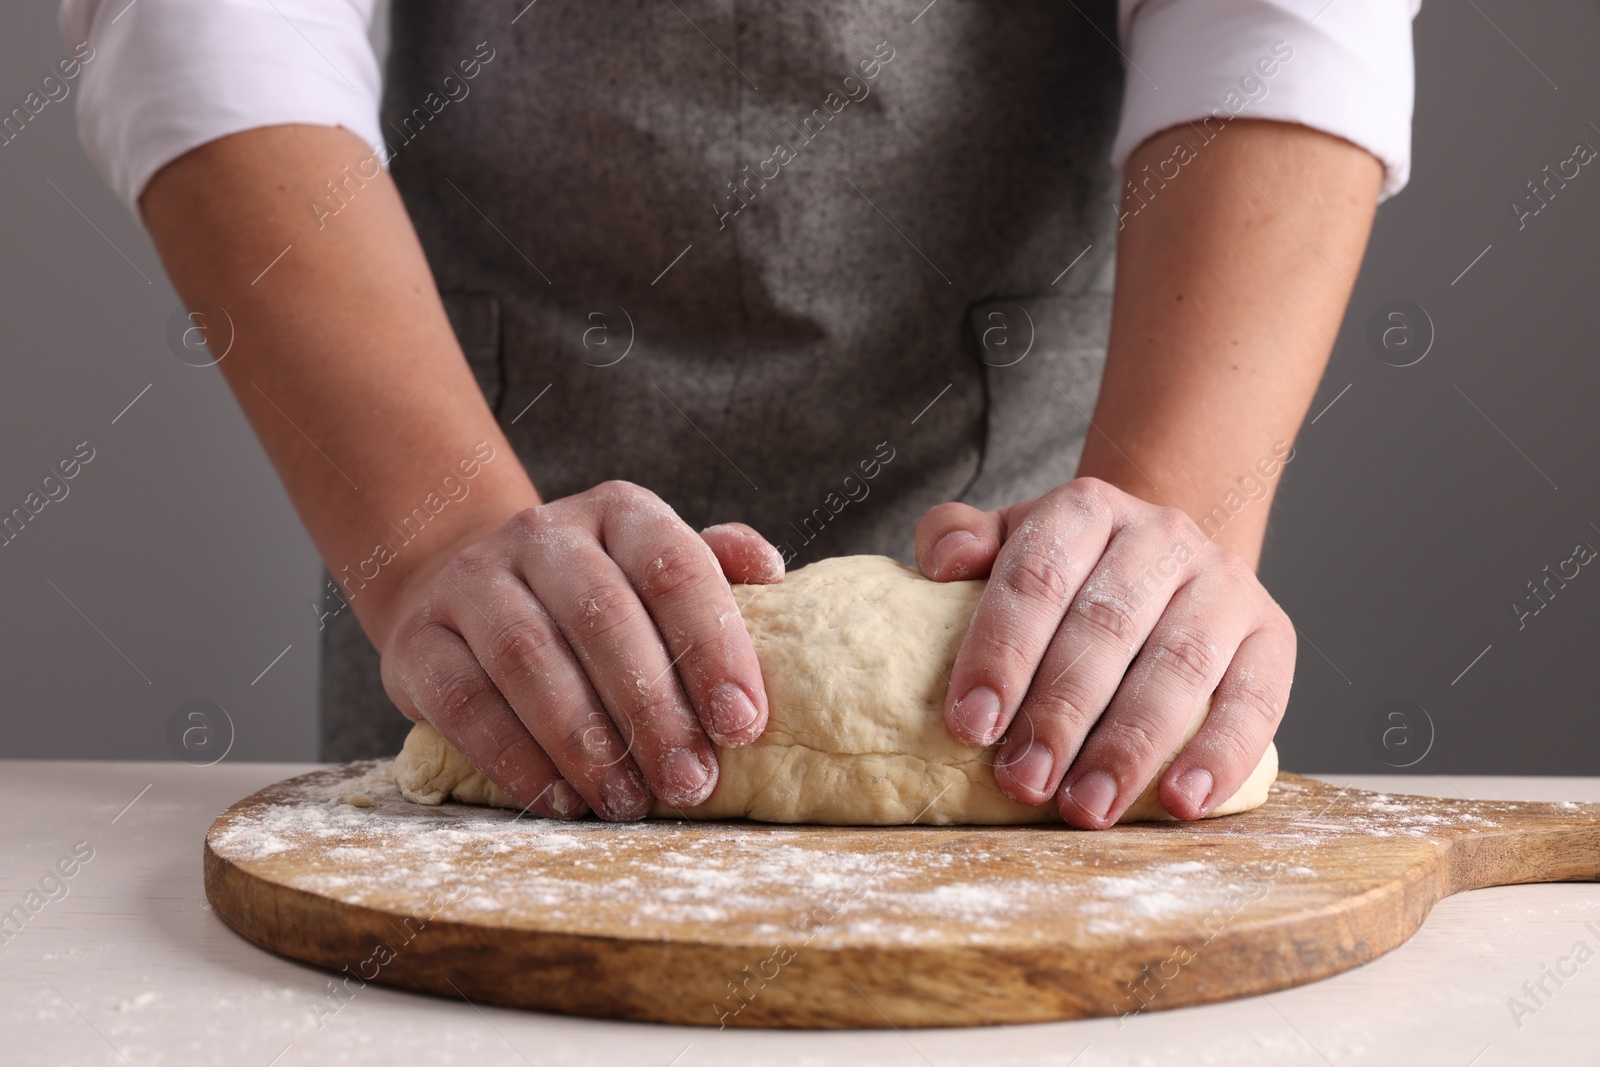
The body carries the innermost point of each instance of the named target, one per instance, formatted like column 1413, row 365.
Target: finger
column 1245, row 712
column 956, row 541
column 524, row 654
column 746, row 557
column 1035, row 577
column 1110, row 619
column 1166, row 688
column 431, row 674
column 604, row 623
column 681, row 585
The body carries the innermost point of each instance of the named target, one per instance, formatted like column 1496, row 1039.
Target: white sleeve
column 166, row 76
column 1349, row 71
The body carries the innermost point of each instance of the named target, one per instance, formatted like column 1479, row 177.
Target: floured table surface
column 755, row 925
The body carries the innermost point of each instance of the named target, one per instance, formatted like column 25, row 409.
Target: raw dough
column 856, row 654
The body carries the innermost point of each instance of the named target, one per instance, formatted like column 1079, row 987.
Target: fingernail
column 564, row 800
column 1095, row 792
column 624, row 795
column 1031, row 768
column 732, row 711
column 947, row 547
column 1196, row 785
column 683, row 775
column 978, row 713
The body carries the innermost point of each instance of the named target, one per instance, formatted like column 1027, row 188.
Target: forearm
column 342, row 357
column 1233, row 272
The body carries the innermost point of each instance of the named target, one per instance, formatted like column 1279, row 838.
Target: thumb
column 956, row 541
column 746, row 557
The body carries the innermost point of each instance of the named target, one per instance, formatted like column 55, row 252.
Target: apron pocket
column 1041, row 358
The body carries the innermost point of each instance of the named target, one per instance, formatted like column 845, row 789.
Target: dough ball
column 856, row 653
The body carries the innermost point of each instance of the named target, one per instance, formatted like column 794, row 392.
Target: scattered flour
column 751, row 883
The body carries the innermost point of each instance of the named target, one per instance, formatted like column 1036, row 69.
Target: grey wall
column 1409, row 522
column 179, row 570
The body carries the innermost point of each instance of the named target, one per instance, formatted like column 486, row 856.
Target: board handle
column 1528, row 842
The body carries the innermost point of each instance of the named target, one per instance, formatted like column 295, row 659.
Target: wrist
column 1229, row 513
column 405, row 559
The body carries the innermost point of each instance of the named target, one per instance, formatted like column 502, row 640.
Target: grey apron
column 802, row 266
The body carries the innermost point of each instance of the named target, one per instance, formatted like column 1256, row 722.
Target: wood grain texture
column 743, row 924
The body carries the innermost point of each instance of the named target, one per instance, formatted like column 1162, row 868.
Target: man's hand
column 578, row 652
column 1106, row 624
column 581, row 653
column 1108, row 619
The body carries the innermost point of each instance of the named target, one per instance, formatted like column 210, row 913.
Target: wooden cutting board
column 742, row 924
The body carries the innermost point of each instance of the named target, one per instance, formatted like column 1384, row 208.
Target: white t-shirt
column 170, row 75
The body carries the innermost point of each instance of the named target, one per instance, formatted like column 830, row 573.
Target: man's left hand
column 1106, row 624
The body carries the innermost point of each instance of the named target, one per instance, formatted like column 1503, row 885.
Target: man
column 811, row 279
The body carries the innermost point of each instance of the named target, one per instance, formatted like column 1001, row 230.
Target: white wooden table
column 130, row 967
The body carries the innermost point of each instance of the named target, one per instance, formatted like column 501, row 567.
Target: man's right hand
column 578, row 652
column 582, row 654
